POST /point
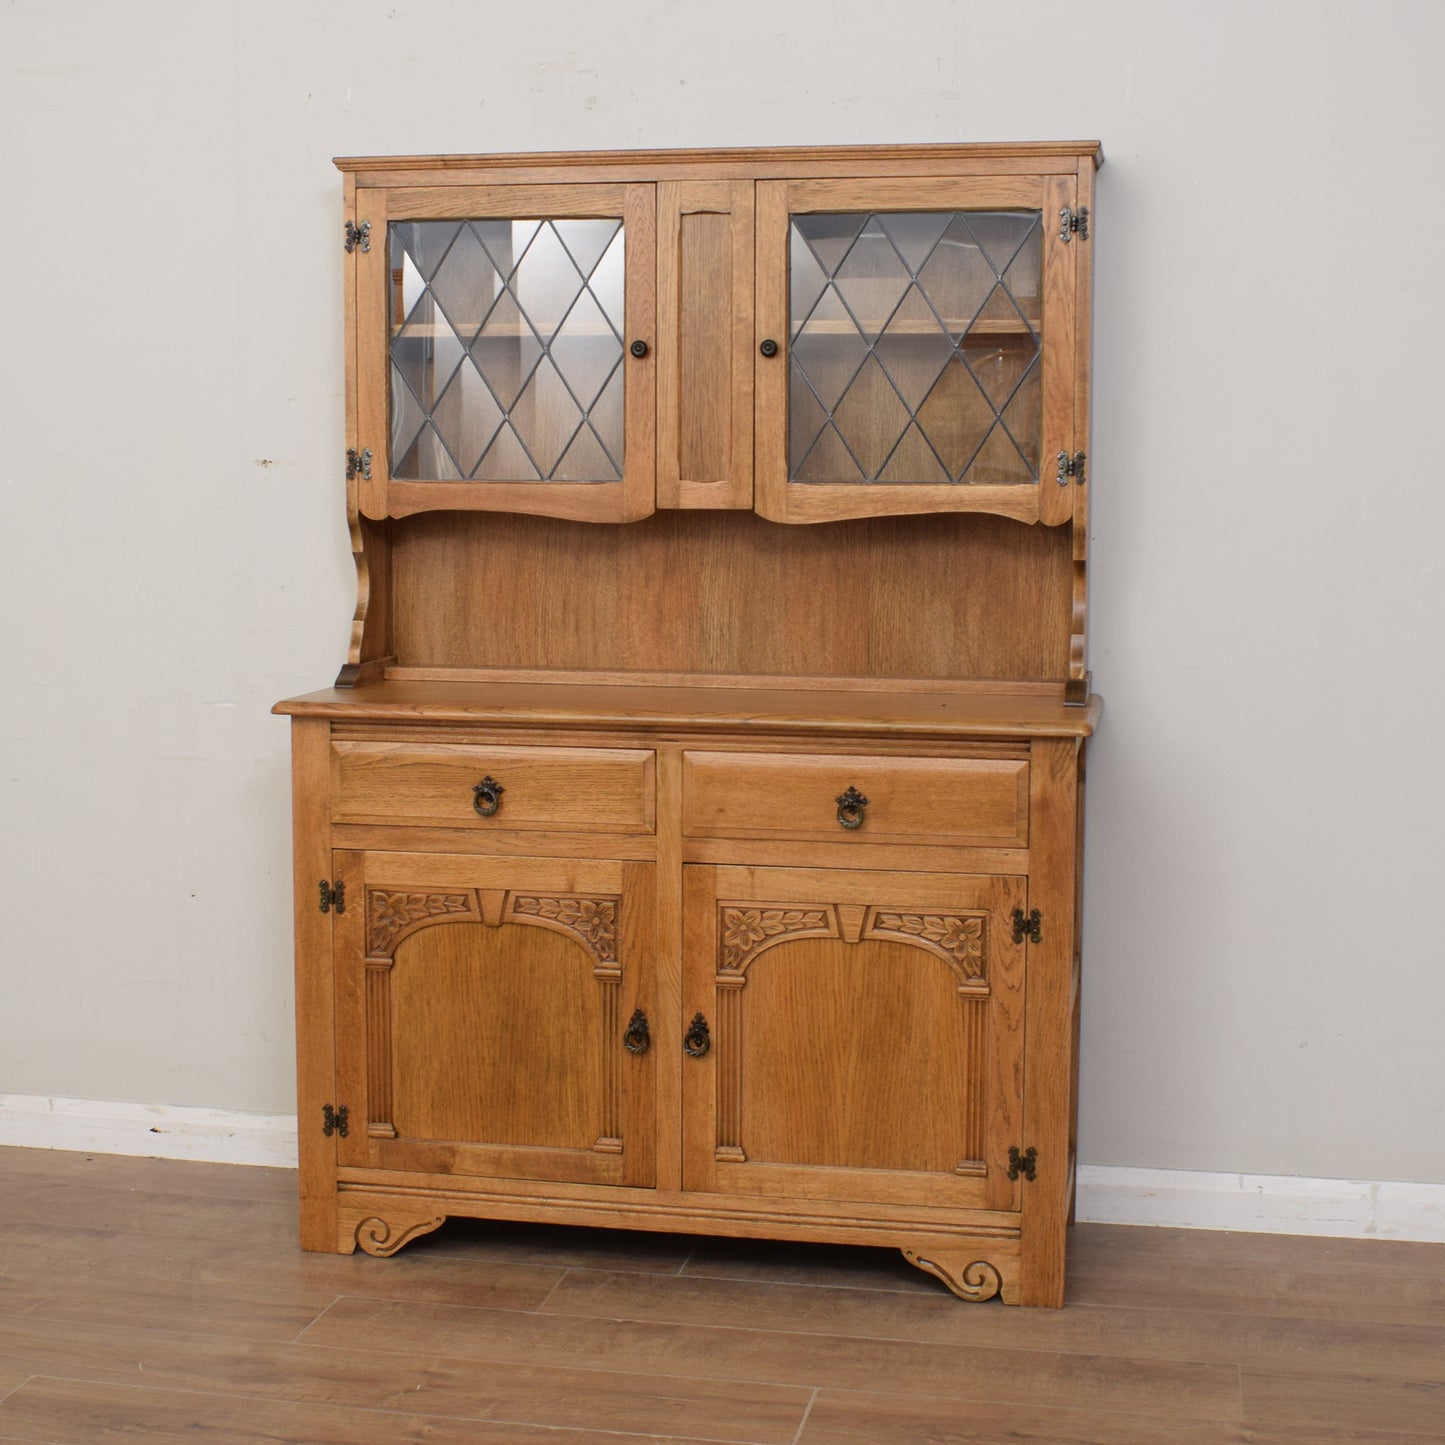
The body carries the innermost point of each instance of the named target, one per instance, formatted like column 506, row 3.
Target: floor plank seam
column 803, row 1423
column 556, row 1285
column 13, row 1388
column 336, row 1299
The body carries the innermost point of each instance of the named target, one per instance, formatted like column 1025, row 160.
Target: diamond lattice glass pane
column 426, row 242
column 585, row 461
column 606, row 283
column 586, row 241
column 407, row 416
column 999, row 364
column 956, row 417
column 506, row 350
column 916, row 233
column 1000, row 234
column 913, row 460
column 829, row 348
column 957, row 278
column 998, row 462
column 914, row 347
column 467, row 417
column 872, row 278
column 606, row 415
column 828, row 236
column 1024, row 279
column 409, row 283
column 546, row 417
column 428, row 457
column 1024, row 418
column 506, row 344
column 546, row 282
column 505, row 242
column 913, row 333
column 829, row 461
column 585, row 349
column 426, row 351
column 871, row 418
column 806, row 280
column 806, row 417
column 506, row 460
column 465, row 284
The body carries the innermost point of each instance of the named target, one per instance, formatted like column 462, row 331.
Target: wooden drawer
column 565, row 790
column 971, row 802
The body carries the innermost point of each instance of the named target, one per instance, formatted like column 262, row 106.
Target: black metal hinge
column 1031, row 927
column 336, row 1121
column 1072, row 222
column 358, row 238
column 358, row 463
column 333, row 897
column 1070, row 467
column 1022, row 1163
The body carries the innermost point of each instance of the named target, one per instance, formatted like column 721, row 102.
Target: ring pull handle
column 637, row 1040
column 487, row 796
column 696, row 1041
column 850, row 808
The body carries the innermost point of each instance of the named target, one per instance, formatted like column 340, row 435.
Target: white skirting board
column 1183, row 1199
column 165, row 1131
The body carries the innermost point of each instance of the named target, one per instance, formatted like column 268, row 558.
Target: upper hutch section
column 811, row 334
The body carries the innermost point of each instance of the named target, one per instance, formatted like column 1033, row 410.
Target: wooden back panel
column 940, row 597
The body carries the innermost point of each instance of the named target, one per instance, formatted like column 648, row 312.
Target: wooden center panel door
column 490, row 1016
column 854, row 1036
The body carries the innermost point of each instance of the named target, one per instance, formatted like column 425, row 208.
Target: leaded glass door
column 916, row 345
column 506, row 350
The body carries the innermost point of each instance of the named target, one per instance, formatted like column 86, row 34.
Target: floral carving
column 961, row 938
column 743, row 929
column 593, row 920
column 388, row 914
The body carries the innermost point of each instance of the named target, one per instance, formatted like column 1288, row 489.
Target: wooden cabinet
column 658, row 865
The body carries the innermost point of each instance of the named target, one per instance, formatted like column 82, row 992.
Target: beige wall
column 1264, row 967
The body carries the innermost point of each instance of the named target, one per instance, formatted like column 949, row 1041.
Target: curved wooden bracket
column 969, row 1277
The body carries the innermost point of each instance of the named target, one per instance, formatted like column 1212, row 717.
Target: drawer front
column 968, row 802
column 567, row 790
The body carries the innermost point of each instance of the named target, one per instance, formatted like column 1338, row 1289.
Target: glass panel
column 506, row 350
column 916, row 342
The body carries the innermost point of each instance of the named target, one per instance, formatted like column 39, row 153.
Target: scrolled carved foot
column 382, row 1237
column 966, row 1275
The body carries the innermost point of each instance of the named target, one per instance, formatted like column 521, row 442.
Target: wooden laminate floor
column 155, row 1301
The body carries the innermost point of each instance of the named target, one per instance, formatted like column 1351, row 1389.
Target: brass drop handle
column 637, row 1040
column 696, row 1041
column 487, row 796
column 850, row 808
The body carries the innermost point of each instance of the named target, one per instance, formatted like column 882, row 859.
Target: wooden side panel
column 901, row 597
column 1049, row 1083
column 705, row 355
column 1056, row 503
column 315, row 1019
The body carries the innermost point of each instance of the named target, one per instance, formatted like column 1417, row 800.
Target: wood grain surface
column 167, row 1301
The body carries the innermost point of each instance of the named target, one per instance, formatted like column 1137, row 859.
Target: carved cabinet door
column 853, row 1036
column 492, row 1016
